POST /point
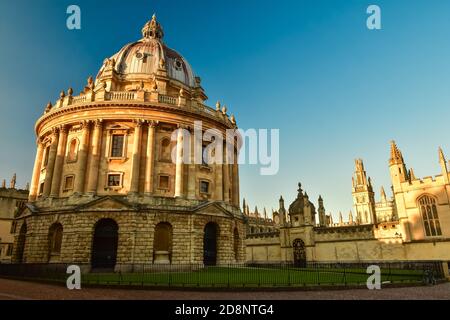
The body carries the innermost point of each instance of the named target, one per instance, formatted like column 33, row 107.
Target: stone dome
column 143, row 59
column 297, row 207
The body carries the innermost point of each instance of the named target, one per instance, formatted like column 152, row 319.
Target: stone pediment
column 213, row 208
column 106, row 203
column 28, row 209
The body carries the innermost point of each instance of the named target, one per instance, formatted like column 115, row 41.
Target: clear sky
column 336, row 90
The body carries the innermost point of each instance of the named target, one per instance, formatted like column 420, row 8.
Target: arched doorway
column 104, row 247
column 21, row 241
column 162, row 243
column 299, row 253
column 210, row 244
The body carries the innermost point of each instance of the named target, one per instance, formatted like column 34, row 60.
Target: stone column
column 218, row 177
column 80, row 176
column 149, row 168
column 95, row 157
column 50, row 164
column 136, row 157
column 179, row 164
column 34, row 187
column 59, row 162
column 235, row 188
column 192, row 170
column 226, row 175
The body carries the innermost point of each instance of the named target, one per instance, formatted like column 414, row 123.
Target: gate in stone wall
column 299, row 253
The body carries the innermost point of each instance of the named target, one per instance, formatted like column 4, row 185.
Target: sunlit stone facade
column 106, row 189
column 412, row 225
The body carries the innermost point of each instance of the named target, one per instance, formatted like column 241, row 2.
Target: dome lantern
column 152, row 29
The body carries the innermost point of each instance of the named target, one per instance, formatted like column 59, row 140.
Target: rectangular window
column 204, row 187
column 41, row 188
column 117, row 145
column 114, row 180
column 68, row 183
column 164, row 182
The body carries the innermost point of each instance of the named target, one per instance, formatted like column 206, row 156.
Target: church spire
column 396, row 154
column 13, row 182
column 443, row 164
column 412, row 176
column 300, row 190
column 282, row 211
column 383, row 194
column 322, row 214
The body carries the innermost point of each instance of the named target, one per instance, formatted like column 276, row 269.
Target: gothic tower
column 363, row 195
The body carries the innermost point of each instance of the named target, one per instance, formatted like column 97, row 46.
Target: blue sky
column 336, row 90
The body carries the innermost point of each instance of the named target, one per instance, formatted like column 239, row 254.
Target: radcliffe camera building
column 105, row 192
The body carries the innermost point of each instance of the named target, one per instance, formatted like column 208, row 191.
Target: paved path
column 21, row 290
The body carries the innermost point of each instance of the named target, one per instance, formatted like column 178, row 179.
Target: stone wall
column 347, row 247
column 136, row 230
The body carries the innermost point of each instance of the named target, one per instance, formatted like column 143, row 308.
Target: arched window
column 430, row 217
column 236, row 244
column 21, row 242
column 55, row 238
column 165, row 150
column 73, row 150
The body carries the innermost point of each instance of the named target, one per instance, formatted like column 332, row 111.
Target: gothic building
column 107, row 190
column 413, row 225
column 12, row 200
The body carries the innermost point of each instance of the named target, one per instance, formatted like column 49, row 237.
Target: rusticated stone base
column 135, row 236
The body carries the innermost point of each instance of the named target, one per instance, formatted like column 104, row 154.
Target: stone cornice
column 101, row 105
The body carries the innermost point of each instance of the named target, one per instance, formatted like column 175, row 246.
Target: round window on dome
column 178, row 64
column 139, row 55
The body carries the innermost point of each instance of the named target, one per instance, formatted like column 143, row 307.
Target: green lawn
column 250, row 277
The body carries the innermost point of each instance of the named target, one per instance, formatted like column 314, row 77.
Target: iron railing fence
column 233, row 275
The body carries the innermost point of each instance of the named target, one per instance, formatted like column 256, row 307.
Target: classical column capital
column 153, row 123
column 185, row 127
column 85, row 124
column 39, row 141
column 63, row 129
column 138, row 122
column 54, row 131
column 98, row 123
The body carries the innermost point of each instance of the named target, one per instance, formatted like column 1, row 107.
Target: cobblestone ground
column 21, row 290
